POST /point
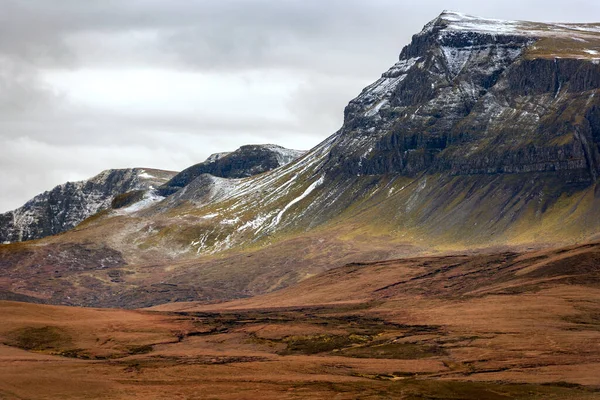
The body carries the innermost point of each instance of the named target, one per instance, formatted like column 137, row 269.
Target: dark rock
column 67, row 205
column 465, row 102
column 244, row 162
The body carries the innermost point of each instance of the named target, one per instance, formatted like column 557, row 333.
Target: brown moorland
column 488, row 326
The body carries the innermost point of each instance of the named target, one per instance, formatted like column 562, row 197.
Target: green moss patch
column 401, row 351
column 315, row 344
column 39, row 339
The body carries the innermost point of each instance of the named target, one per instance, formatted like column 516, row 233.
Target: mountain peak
column 472, row 139
column 456, row 21
column 246, row 161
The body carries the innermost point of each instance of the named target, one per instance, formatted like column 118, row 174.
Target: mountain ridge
column 246, row 161
column 133, row 187
column 66, row 205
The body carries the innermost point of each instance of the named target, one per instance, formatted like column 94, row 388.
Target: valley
column 498, row 326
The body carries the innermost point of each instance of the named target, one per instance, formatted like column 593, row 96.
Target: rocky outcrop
column 65, row 206
column 475, row 96
column 244, row 162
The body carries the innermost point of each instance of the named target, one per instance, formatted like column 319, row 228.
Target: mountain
column 244, row 162
column 65, row 206
column 485, row 134
column 472, row 96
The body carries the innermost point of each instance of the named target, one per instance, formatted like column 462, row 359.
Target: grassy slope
column 385, row 219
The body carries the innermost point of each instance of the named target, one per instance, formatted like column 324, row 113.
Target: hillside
column 484, row 135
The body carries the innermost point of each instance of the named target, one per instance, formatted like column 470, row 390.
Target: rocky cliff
column 65, row 206
column 486, row 117
column 246, row 161
column 476, row 96
column 485, row 133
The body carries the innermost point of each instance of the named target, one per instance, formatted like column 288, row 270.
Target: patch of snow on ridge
column 247, row 188
column 460, row 21
column 222, row 187
column 216, row 156
column 145, row 175
column 284, row 156
column 581, row 27
column 150, row 198
column 308, row 191
column 455, row 21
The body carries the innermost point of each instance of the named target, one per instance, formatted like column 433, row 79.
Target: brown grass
column 499, row 326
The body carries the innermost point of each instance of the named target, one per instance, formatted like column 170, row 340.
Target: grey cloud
column 335, row 36
column 244, row 33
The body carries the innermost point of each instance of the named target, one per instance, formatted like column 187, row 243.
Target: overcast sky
column 87, row 85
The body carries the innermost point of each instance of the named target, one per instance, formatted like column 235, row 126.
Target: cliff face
column 498, row 120
column 244, row 162
column 476, row 96
column 65, row 206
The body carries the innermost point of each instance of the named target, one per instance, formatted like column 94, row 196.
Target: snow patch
column 375, row 110
column 284, row 156
column 210, row 216
column 308, row 191
column 231, row 221
column 216, row 156
column 150, row 198
column 455, row 21
column 456, row 58
column 145, row 175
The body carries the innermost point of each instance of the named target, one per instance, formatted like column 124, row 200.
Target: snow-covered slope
column 65, row 206
column 468, row 97
column 456, row 21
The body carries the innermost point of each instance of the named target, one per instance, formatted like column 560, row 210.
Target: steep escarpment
column 470, row 96
column 246, row 161
column 483, row 133
column 473, row 104
column 65, row 206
